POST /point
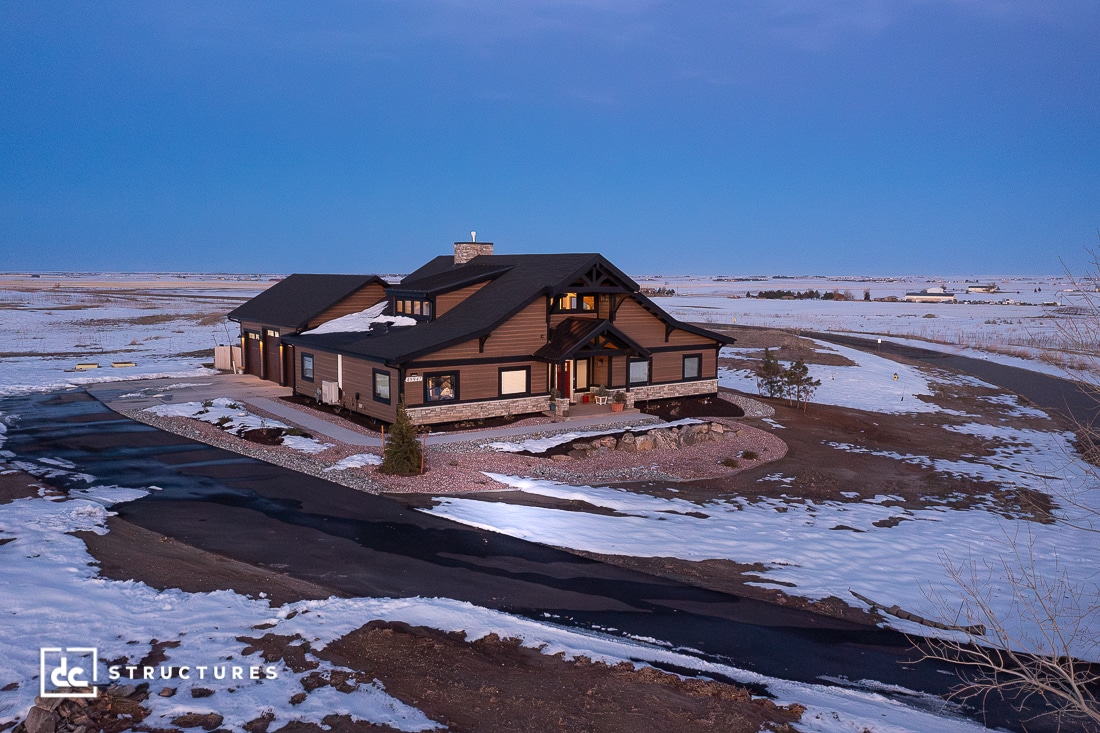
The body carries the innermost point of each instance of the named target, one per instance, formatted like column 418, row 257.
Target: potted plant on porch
column 601, row 395
column 620, row 401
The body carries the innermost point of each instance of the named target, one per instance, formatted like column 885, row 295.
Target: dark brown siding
column 524, row 333
column 556, row 318
column 359, row 389
column 360, row 300
column 476, row 381
column 446, row 301
column 639, row 324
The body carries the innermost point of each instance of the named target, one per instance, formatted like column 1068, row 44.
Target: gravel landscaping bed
column 461, row 467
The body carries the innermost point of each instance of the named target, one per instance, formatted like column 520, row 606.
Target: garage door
column 252, row 353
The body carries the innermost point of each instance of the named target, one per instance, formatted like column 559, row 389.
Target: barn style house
column 474, row 335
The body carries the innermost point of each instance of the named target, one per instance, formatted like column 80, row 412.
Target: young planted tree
column 401, row 454
column 800, row 386
column 769, row 376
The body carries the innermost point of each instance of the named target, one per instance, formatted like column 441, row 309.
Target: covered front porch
column 587, row 354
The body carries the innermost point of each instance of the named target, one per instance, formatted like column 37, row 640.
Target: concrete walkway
column 143, row 393
column 312, row 423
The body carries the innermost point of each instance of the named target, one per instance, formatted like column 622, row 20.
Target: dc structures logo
column 68, row 672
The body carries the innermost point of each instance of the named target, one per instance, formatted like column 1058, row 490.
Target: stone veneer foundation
column 524, row 405
column 675, row 389
column 477, row 410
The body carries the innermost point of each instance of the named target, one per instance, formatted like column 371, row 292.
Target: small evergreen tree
column 769, row 376
column 800, row 386
column 402, row 450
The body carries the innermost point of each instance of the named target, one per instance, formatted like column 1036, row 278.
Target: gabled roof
column 517, row 281
column 574, row 333
column 441, row 282
column 293, row 301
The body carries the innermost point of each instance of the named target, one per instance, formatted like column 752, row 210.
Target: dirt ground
column 495, row 685
column 491, row 685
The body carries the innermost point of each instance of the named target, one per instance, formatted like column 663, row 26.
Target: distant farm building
column 937, row 294
column 992, row 288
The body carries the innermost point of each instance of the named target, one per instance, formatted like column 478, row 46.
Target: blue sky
column 765, row 136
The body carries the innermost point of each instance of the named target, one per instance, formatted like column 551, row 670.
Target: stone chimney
column 466, row 251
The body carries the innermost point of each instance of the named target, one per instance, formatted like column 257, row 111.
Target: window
column 381, row 386
column 419, row 309
column 574, row 302
column 271, row 332
column 638, row 372
column 253, row 335
column 693, row 366
column 440, row 387
column 307, row 367
column 580, row 374
column 515, row 381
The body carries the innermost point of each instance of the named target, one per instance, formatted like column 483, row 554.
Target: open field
column 895, row 469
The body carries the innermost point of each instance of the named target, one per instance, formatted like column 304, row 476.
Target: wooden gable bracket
column 481, row 343
column 669, row 328
column 616, row 303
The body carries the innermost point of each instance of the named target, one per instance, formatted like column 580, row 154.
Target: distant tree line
column 807, row 295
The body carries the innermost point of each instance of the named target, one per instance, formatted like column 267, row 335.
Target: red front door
column 565, row 381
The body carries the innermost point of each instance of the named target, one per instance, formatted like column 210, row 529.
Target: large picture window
column 515, row 381
column 307, row 367
column 638, row 372
column 693, row 366
column 381, row 386
column 441, row 387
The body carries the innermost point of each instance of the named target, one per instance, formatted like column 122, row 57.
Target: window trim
column 312, row 366
column 375, row 373
column 648, row 371
column 417, row 308
column 580, row 298
column 500, row 381
column 683, row 367
column 454, row 374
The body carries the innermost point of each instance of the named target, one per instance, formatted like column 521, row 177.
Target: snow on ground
column 231, row 417
column 869, row 385
column 815, row 550
column 541, row 445
column 44, row 334
column 55, row 598
column 1022, row 333
column 356, row 461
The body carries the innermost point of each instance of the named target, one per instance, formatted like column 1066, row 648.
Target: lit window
column 440, row 387
column 693, row 366
column 639, row 372
column 574, row 302
column 307, row 366
column 382, row 386
column 400, row 306
column 514, row 381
